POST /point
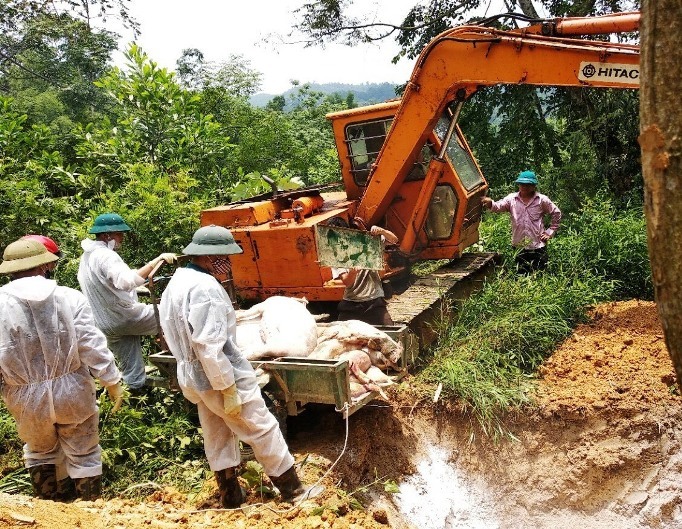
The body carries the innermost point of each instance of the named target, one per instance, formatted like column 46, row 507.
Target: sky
column 220, row 28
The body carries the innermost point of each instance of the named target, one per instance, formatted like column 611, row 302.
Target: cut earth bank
column 602, row 449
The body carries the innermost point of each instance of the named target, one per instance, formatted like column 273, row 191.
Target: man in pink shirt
column 527, row 208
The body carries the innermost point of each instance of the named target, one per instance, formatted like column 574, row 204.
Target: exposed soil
column 602, row 449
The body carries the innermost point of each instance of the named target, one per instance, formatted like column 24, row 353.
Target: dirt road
column 602, row 449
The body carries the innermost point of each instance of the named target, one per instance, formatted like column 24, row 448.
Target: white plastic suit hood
column 34, row 288
column 89, row 245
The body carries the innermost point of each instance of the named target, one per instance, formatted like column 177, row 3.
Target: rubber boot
column 291, row 488
column 231, row 494
column 66, row 490
column 44, row 481
column 90, row 488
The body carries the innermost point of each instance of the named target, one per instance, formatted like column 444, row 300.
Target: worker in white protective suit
column 199, row 325
column 110, row 286
column 50, row 349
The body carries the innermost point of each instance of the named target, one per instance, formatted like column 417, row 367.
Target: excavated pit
column 602, row 449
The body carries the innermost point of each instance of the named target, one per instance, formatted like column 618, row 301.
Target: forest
column 79, row 137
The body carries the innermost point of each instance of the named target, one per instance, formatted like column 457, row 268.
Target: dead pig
column 338, row 337
column 277, row 327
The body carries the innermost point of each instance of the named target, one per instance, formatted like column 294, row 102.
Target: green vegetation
column 488, row 357
column 79, row 137
column 159, row 435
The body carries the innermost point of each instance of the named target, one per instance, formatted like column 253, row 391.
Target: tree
column 323, row 21
column 191, row 68
column 234, row 76
column 660, row 140
column 17, row 15
column 155, row 121
column 49, row 58
column 60, row 56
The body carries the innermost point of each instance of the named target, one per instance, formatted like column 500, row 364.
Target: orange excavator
column 406, row 164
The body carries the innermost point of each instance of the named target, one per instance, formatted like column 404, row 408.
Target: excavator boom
column 581, row 26
column 463, row 60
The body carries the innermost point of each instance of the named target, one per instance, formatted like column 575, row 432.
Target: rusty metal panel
column 308, row 380
column 233, row 215
column 346, row 248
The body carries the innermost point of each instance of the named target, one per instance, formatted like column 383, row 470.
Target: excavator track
column 431, row 299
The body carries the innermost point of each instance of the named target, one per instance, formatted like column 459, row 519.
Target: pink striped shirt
column 527, row 220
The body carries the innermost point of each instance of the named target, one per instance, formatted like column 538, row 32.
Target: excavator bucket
column 347, row 248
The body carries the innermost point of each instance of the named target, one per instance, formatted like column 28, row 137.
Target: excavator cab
column 441, row 191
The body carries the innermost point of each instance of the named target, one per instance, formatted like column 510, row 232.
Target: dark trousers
column 373, row 311
column 529, row 261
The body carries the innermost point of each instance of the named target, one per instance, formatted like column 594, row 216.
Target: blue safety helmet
column 109, row 223
column 527, row 177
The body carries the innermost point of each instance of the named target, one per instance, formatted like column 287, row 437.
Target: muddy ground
column 602, row 449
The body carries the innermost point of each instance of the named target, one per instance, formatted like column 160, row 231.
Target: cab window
column 364, row 143
column 459, row 157
column 440, row 219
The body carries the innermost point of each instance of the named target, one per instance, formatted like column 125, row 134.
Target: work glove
column 116, row 396
column 170, row 258
column 232, row 404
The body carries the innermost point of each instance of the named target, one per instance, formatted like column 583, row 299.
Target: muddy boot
column 231, row 494
column 66, row 490
column 90, row 488
column 44, row 481
column 291, row 488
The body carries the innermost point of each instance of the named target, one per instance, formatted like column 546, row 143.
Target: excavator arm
column 463, row 60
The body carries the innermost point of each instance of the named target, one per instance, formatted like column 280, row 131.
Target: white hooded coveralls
column 109, row 284
column 199, row 325
column 49, row 351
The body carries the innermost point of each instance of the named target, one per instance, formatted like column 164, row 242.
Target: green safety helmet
column 25, row 254
column 527, row 177
column 108, row 223
column 212, row 240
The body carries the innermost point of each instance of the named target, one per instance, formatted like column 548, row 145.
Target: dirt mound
column 601, row 449
column 618, row 362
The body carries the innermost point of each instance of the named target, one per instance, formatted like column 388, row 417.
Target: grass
column 10, row 454
column 154, row 439
column 487, row 358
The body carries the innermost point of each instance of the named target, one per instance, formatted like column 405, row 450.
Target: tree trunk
column 661, row 142
column 528, row 9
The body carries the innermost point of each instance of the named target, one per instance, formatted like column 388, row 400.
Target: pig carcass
column 275, row 328
column 367, row 350
column 338, row 337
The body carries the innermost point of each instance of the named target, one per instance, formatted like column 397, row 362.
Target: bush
column 606, row 242
column 151, row 439
column 609, row 243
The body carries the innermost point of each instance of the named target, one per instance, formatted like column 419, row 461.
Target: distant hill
column 365, row 94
